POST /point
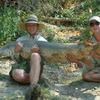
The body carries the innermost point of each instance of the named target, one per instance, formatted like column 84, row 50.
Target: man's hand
column 96, row 51
column 95, row 54
column 88, row 43
column 35, row 48
column 18, row 47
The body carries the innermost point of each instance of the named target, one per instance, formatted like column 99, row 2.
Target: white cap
column 96, row 18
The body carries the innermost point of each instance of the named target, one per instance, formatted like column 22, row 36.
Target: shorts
column 24, row 64
column 95, row 67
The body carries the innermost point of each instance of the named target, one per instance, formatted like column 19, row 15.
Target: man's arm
column 18, row 47
column 35, row 48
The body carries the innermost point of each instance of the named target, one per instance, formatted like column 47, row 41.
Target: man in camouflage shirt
column 89, row 58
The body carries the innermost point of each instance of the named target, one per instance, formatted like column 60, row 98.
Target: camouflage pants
column 95, row 67
column 24, row 64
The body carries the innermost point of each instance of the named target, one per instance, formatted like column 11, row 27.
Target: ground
column 65, row 84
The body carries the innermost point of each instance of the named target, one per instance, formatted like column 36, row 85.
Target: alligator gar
column 50, row 52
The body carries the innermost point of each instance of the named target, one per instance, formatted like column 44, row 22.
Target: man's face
column 32, row 28
column 95, row 27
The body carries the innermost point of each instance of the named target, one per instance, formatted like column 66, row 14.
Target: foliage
column 78, row 10
column 9, row 29
column 83, row 11
column 49, row 34
column 86, row 34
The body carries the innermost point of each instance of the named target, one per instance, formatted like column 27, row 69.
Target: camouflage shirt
column 95, row 61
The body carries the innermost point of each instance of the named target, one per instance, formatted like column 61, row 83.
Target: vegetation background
column 72, row 13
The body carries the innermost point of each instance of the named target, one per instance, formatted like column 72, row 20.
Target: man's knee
column 18, row 74
column 85, row 76
column 35, row 56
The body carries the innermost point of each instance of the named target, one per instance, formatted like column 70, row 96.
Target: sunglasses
column 94, row 23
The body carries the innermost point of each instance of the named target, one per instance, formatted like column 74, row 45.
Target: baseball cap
column 96, row 18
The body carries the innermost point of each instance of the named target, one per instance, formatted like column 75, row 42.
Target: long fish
column 50, row 52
